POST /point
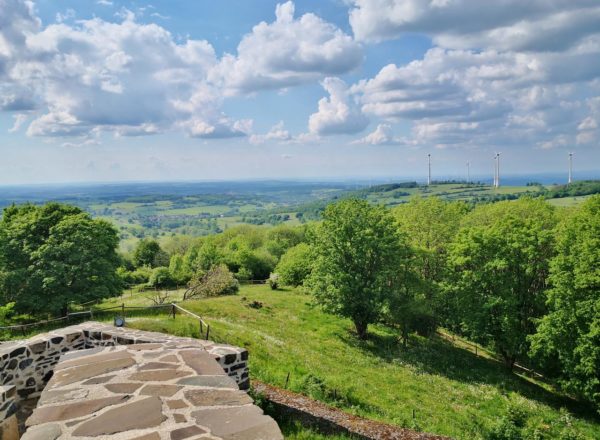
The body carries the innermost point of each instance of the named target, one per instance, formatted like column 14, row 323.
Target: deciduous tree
column 358, row 250
column 570, row 332
column 500, row 262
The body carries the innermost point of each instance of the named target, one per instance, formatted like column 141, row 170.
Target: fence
column 25, row 330
column 478, row 349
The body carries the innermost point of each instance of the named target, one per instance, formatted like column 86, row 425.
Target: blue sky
column 175, row 90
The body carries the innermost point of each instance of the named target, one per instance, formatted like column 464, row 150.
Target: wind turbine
column 495, row 170
column 570, row 168
column 498, row 170
column 429, row 165
column 468, row 172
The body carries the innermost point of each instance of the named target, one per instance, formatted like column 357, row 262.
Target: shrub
column 215, row 282
column 295, row 265
column 274, row 281
column 161, row 277
column 138, row 276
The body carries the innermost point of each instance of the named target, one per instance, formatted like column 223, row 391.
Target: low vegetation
column 451, row 390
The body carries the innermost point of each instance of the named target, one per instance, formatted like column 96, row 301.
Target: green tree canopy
column 358, row 250
column 570, row 332
column 55, row 254
column 295, row 265
column 430, row 225
column 146, row 253
column 500, row 262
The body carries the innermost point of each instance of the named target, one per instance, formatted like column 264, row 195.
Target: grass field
column 451, row 391
column 568, row 201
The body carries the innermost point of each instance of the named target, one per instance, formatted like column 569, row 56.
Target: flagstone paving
column 162, row 391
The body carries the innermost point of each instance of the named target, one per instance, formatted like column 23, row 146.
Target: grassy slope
column 452, row 391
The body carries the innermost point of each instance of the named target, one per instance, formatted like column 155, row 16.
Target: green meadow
column 451, row 390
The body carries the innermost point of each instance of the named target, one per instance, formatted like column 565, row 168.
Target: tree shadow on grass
column 438, row 356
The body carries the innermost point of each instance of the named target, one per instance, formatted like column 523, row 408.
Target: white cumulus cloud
column 337, row 114
column 287, row 52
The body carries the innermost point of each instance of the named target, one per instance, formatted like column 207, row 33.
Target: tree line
column 519, row 277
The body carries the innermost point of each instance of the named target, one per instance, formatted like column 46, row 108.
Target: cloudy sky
column 99, row 90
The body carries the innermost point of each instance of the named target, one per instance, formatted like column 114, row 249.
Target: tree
column 283, row 237
column 216, row 281
column 179, row 270
column 295, row 265
column 357, row 250
column 499, row 263
column 55, row 254
column 161, row 277
column 146, row 252
column 570, row 332
column 430, row 225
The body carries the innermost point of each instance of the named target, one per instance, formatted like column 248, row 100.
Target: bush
column 161, row 278
column 138, row 276
column 274, row 281
column 295, row 265
column 217, row 281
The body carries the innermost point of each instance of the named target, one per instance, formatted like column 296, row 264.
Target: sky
column 108, row 90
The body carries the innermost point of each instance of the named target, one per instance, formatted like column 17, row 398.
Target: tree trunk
column 361, row 329
column 509, row 360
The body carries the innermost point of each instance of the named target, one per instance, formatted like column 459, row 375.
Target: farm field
column 450, row 389
column 196, row 209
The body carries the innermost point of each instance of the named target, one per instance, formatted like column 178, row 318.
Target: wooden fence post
column 173, row 310
column 207, row 331
column 201, row 327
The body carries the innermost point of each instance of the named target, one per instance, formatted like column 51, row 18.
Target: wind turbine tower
column 570, row 168
column 429, row 165
column 498, row 170
column 468, row 172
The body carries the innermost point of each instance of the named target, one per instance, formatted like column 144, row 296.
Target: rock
column 72, row 410
column 187, row 432
column 50, row 431
column 223, row 397
column 141, row 414
column 159, row 390
column 238, row 423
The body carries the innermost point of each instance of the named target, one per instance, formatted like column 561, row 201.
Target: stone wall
column 154, row 391
column 27, row 366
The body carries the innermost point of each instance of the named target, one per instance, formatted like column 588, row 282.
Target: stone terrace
column 101, row 382
column 146, row 392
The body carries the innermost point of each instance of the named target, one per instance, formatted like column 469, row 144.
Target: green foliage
column 568, row 337
column 161, row 277
column 295, row 265
column 500, row 262
column 357, row 250
column 141, row 275
column 147, row 253
column 281, row 238
column 430, row 225
column 580, row 188
column 53, row 255
column 215, row 282
column 6, row 313
column 179, row 271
